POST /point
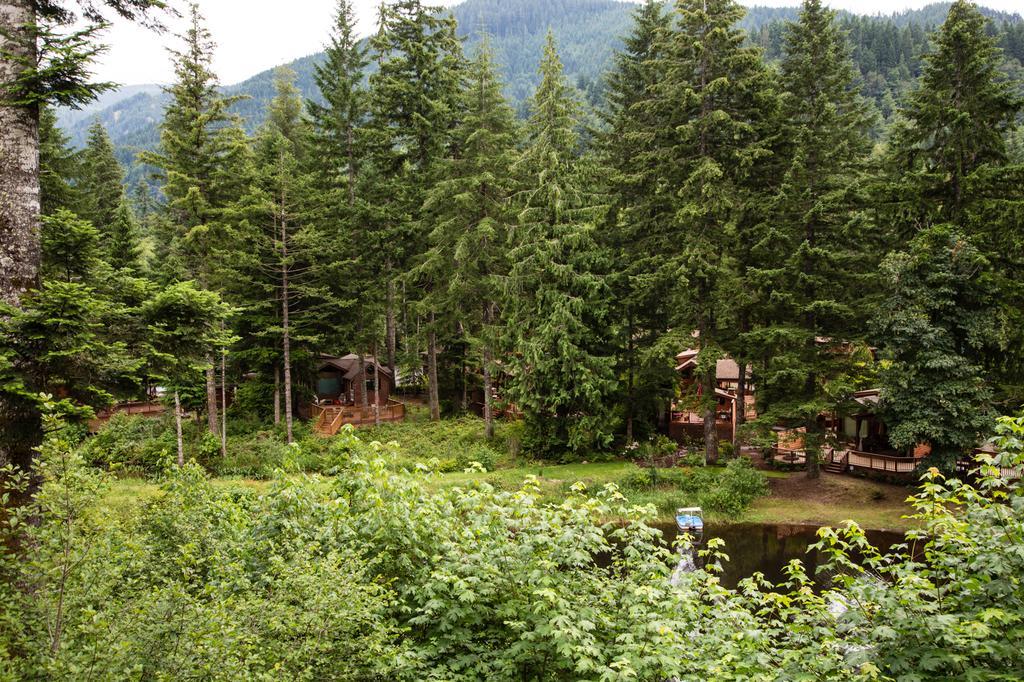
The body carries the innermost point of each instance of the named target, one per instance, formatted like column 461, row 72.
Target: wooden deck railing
column 873, row 462
column 146, row 408
column 330, row 418
column 965, row 467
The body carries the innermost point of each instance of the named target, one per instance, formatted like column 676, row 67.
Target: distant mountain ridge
column 588, row 34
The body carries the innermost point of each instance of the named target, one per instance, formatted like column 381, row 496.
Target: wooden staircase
column 332, row 417
column 836, row 462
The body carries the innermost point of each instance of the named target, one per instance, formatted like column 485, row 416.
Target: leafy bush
column 728, row 491
column 136, row 445
column 130, row 443
column 375, row 577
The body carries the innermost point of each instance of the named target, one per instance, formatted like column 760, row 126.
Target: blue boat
column 690, row 520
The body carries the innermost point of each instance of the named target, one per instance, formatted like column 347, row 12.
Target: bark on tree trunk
column 211, row 395
column 285, row 322
column 630, row 380
column 376, row 390
column 435, row 398
column 812, row 448
column 224, row 403
column 709, row 382
column 488, row 399
column 710, row 432
column 19, row 160
column 741, row 405
column 277, row 395
column 391, row 332
column 465, row 386
column 364, row 399
column 177, row 427
column 20, row 421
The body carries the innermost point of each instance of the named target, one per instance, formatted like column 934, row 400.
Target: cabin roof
column 349, row 364
column 726, row 370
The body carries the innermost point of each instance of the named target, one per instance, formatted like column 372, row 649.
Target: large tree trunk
column 630, row 380
column 741, row 404
column 286, row 339
column 376, row 388
column 211, row 395
column 391, row 332
column 488, row 399
column 364, row 398
column 435, row 398
column 20, row 421
column 177, row 428
column 709, row 382
column 19, row 160
column 224, row 403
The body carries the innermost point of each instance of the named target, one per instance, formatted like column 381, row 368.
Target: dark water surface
column 767, row 548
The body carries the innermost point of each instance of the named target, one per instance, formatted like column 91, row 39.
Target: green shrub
column 727, row 492
column 128, row 443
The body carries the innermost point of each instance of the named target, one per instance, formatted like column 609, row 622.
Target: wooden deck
column 144, row 408
column 854, row 460
column 328, row 419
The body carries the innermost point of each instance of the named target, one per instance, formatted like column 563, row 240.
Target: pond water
column 767, row 548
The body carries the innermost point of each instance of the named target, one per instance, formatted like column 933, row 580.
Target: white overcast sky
column 254, row 35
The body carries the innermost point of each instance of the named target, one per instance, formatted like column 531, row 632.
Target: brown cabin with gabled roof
column 343, row 380
column 689, row 424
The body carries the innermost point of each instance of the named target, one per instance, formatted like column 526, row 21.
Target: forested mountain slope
column 588, row 32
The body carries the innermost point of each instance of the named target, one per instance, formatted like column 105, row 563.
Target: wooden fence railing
column 330, row 418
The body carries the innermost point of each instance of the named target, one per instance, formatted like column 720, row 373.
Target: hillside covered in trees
column 887, row 51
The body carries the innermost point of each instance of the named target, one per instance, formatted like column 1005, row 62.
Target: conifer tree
column 340, row 170
column 812, row 257
column 201, row 145
column 955, row 123
column 122, row 239
column 58, row 167
column 186, row 326
column 338, row 122
column 638, row 231
column 557, row 298
column 101, row 180
column 414, row 105
column 471, row 213
column 712, row 98
column 276, row 245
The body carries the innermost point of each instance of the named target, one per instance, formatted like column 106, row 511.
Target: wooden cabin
column 688, row 424
column 343, row 380
column 861, row 442
column 341, row 383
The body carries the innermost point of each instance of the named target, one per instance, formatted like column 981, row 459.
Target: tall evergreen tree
column 338, row 122
column 949, row 162
column 29, row 30
column 712, row 99
column 471, row 213
column 955, row 123
column 58, row 166
column 562, row 374
column 341, row 170
column 277, row 246
column 122, row 238
column 414, row 106
column 200, row 147
column 638, row 231
column 101, row 180
column 813, row 256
